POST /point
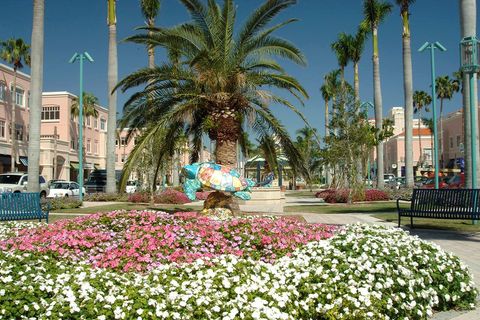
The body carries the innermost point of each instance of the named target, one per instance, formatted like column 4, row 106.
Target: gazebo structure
column 254, row 169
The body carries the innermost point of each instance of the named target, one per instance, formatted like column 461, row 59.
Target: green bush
column 103, row 197
column 64, row 203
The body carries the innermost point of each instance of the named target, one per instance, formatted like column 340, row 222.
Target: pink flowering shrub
column 139, row 197
column 171, row 196
column 141, row 240
column 341, row 195
column 203, row 195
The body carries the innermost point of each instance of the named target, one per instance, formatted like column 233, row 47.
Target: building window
column 28, row 99
column 95, row 123
column 135, row 141
column 123, row 158
column 88, row 145
column 51, row 113
column 88, row 121
column 95, row 147
column 103, row 124
column 19, row 131
column 458, row 140
column 116, row 142
column 124, row 141
column 451, row 142
column 3, row 91
column 19, row 94
column 2, row 129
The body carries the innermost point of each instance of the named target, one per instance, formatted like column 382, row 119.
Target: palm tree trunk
column 408, row 96
column 378, row 108
column 13, row 132
column 151, row 48
column 36, row 96
column 226, row 152
column 112, row 97
column 468, row 21
column 440, row 145
column 356, row 82
column 420, row 157
column 328, row 173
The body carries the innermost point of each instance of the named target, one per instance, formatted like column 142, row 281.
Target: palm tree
column 328, row 89
column 220, row 83
column 445, row 87
column 407, row 89
column 421, row 100
column 468, row 24
column 36, row 97
column 341, row 48
column 89, row 103
column 112, row 95
column 15, row 52
column 357, row 46
column 374, row 12
column 310, row 151
column 150, row 10
column 428, row 122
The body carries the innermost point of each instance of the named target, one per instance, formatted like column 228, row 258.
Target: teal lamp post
column 364, row 106
column 432, row 46
column 80, row 57
column 470, row 64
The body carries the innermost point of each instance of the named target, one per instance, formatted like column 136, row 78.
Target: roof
column 419, row 132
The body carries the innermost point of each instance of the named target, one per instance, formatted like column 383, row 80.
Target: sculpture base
column 262, row 194
column 219, row 199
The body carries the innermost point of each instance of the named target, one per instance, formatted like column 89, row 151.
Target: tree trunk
column 468, row 21
column 408, row 96
column 378, row 108
column 112, row 97
column 151, row 48
column 12, row 124
column 226, row 153
column 356, row 82
column 36, row 96
column 226, row 134
column 420, row 157
column 328, row 173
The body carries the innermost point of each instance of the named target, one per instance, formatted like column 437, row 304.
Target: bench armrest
column 401, row 199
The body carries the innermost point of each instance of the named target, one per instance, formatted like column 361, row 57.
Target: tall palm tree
column 328, row 89
column 342, row 47
column 468, row 24
column 375, row 11
column 15, row 52
column 445, row 87
column 219, row 86
column 150, row 10
column 36, row 96
column 89, row 103
column 407, row 89
column 357, row 45
column 112, row 95
column 421, row 101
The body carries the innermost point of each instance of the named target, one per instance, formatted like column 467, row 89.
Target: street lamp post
column 80, row 57
column 470, row 64
column 432, row 46
column 365, row 106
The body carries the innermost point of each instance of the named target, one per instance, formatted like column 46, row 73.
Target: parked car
column 97, row 180
column 457, row 181
column 65, row 189
column 420, row 181
column 17, row 182
column 442, row 183
column 132, row 186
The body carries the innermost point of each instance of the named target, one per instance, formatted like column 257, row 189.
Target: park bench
column 22, row 206
column 459, row 204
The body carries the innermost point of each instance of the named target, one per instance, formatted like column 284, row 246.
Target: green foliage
column 309, row 148
column 89, row 102
column 15, row 52
column 106, row 197
column 64, row 203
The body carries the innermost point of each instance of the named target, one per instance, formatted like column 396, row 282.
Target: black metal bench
column 460, row 204
column 22, row 206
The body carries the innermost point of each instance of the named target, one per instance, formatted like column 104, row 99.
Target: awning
column 74, row 165
column 97, row 167
column 24, row 161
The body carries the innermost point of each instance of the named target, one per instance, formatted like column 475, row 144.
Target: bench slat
column 21, row 206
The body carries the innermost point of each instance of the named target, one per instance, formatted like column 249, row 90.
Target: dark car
column 97, row 181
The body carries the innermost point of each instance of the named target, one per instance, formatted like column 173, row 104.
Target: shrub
column 99, row 197
column 341, row 195
column 64, row 203
column 202, row 195
column 139, row 197
column 402, row 193
column 171, row 196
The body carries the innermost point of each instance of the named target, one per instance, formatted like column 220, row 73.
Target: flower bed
column 341, row 195
column 169, row 196
column 361, row 272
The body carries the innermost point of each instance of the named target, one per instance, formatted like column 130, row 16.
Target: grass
column 383, row 207
column 301, row 194
column 131, row 206
column 421, row 223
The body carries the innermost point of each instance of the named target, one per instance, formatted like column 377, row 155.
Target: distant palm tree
column 341, row 48
column 468, row 24
column 357, row 45
column 223, row 77
column 375, row 12
column 112, row 95
column 421, row 101
column 328, row 90
column 15, row 52
column 407, row 89
column 445, row 87
column 150, row 10
column 36, row 96
column 309, row 149
column 89, row 110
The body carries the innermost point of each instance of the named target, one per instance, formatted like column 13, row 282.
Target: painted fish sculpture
column 216, row 177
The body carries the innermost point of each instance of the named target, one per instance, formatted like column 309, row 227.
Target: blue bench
column 22, row 206
column 461, row 204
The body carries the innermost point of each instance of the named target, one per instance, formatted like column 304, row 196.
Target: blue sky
column 72, row 26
